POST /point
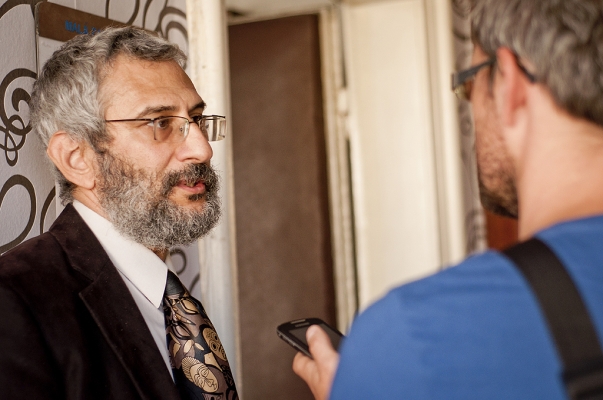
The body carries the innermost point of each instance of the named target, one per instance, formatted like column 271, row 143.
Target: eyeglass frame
column 461, row 78
column 187, row 124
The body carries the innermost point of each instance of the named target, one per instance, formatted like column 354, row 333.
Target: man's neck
column 90, row 200
column 160, row 253
column 560, row 178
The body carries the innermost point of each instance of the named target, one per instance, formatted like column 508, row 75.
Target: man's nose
column 195, row 148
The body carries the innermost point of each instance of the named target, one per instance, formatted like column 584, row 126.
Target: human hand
column 319, row 372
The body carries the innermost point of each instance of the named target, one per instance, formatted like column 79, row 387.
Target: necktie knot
column 174, row 287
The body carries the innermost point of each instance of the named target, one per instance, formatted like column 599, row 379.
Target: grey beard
column 137, row 203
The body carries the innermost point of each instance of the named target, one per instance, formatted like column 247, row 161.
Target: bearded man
column 490, row 328
column 86, row 310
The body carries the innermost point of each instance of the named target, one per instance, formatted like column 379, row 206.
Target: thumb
column 319, row 343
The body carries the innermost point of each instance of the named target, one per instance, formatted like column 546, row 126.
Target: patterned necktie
column 199, row 363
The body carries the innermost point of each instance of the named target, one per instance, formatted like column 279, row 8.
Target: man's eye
column 163, row 123
column 197, row 118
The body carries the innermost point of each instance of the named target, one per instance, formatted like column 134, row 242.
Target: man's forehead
column 144, row 87
column 162, row 108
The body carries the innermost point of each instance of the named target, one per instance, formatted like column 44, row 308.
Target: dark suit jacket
column 69, row 327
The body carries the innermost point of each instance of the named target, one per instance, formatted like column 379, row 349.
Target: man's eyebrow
column 201, row 105
column 155, row 109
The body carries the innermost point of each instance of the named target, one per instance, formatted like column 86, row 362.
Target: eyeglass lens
column 175, row 129
column 463, row 91
column 213, row 127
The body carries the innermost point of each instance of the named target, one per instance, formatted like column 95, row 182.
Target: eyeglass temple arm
column 461, row 77
column 531, row 77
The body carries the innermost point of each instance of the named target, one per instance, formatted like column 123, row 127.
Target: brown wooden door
column 501, row 231
column 280, row 179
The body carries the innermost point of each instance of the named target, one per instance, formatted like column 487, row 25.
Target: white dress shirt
column 143, row 272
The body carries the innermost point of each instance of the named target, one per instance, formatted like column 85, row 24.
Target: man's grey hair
column 66, row 96
column 562, row 39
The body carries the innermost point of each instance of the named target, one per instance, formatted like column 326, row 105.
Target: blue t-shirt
column 473, row 331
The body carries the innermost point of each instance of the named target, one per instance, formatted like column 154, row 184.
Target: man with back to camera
column 476, row 331
column 90, row 309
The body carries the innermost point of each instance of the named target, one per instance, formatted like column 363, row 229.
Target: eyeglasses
column 174, row 129
column 462, row 81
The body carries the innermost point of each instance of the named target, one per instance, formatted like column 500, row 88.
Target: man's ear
column 74, row 159
column 511, row 84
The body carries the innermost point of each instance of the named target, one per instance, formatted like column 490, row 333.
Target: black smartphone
column 294, row 333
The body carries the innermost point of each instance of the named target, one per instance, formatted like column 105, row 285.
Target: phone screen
column 294, row 333
column 300, row 333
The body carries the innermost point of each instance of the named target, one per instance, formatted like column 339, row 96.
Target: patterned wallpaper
column 475, row 226
column 27, row 192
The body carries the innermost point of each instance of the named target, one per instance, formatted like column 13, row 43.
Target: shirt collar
column 135, row 262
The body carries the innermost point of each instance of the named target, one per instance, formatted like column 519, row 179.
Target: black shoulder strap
column 568, row 320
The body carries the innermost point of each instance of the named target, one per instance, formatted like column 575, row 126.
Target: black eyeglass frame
column 461, row 78
column 219, row 136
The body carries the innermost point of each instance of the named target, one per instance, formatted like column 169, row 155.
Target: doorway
column 285, row 264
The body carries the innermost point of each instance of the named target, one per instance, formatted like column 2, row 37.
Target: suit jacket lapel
column 113, row 308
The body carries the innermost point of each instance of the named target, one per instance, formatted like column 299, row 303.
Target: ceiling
column 246, row 8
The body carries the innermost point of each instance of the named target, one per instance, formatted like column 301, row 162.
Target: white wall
column 209, row 71
column 398, row 198
column 259, row 8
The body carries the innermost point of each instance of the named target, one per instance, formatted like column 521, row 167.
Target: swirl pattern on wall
column 474, row 216
column 14, row 129
column 19, row 180
column 134, row 12
column 180, row 253
column 10, row 4
column 162, row 28
column 173, row 24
